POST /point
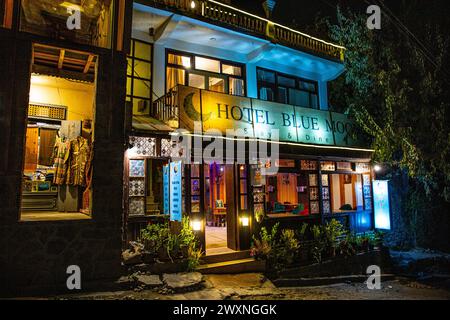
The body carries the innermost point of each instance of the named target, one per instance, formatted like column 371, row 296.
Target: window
column 204, row 73
column 348, row 192
column 60, row 133
column 92, row 20
column 139, row 77
column 276, row 87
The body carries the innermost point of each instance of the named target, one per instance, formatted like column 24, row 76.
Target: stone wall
column 34, row 255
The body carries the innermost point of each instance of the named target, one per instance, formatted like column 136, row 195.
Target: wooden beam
column 62, row 53
column 52, row 71
column 88, row 63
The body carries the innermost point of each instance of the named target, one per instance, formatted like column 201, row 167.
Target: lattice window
column 166, row 148
column 145, row 147
column 47, row 112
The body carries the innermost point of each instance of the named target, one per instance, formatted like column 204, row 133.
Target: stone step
column 248, row 265
column 325, row 281
column 217, row 258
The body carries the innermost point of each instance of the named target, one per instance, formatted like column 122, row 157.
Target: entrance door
column 220, row 209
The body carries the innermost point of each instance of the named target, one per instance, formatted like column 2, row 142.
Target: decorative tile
column 137, row 206
column 144, row 146
column 368, row 204
column 366, row 191
column 313, row 180
column 137, row 168
column 326, row 207
column 325, row 180
column 366, row 179
column 326, row 193
column 314, row 194
column 315, row 207
column 308, row 165
column 137, row 188
column 166, row 148
column 328, row 166
column 258, row 197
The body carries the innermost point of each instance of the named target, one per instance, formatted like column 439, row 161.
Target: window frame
column 132, row 56
column 206, row 74
column 276, row 86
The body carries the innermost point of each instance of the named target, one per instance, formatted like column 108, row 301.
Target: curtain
column 287, row 188
column 237, row 87
column 175, row 77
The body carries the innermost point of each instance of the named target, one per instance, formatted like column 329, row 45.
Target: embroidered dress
column 60, row 156
column 79, row 156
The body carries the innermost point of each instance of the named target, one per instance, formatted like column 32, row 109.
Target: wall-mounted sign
column 362, row 167
column 175, row 190
column 345, row 166
column 166, row 192
column 257, row 118
column 381, row 204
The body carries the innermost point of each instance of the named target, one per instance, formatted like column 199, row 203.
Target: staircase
column 230, row 263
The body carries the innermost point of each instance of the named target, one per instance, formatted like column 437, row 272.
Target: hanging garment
column 60, row 156
column 79, row 156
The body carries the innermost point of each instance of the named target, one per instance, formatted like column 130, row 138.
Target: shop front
column 246, row 163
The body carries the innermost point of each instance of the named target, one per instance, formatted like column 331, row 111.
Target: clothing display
column 70, row 161
column 60, row 156
column 78, row 157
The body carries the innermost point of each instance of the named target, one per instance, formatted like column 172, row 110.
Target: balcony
column 226, row 16
column 195, row 109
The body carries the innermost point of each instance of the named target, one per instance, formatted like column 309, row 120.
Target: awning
column 146, row 123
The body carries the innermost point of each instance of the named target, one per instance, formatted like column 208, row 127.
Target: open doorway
column 218, row 207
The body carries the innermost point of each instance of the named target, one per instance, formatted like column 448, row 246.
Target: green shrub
column 160, row 241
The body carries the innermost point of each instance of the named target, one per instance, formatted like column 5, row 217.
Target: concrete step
column 233, row 267
column 217, row 258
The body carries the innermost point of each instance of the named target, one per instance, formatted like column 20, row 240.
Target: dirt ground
column 256, row 287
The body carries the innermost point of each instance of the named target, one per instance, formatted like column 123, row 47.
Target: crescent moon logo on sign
column 190, row 110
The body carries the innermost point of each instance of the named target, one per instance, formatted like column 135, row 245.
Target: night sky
column 301, row 14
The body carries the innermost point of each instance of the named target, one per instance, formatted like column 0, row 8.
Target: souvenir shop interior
column 57, row 172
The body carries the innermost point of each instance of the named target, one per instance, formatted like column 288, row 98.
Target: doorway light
column 196, row 225
column 193, row 4
column 245, row 221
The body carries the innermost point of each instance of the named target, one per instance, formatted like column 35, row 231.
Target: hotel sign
column 256, row 118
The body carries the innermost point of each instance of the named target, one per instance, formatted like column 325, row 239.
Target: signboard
column 175, row 190
column 381, row 204
column 223, row 111
column 166, row 192
column 257, row 118
column 270, row 115
column 313, row 126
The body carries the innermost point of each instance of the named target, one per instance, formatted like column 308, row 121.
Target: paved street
column 256, row 287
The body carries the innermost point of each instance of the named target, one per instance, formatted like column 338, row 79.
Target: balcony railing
column 230, row 17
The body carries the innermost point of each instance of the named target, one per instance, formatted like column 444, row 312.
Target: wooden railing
column 166, row 108
column 230, row 17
